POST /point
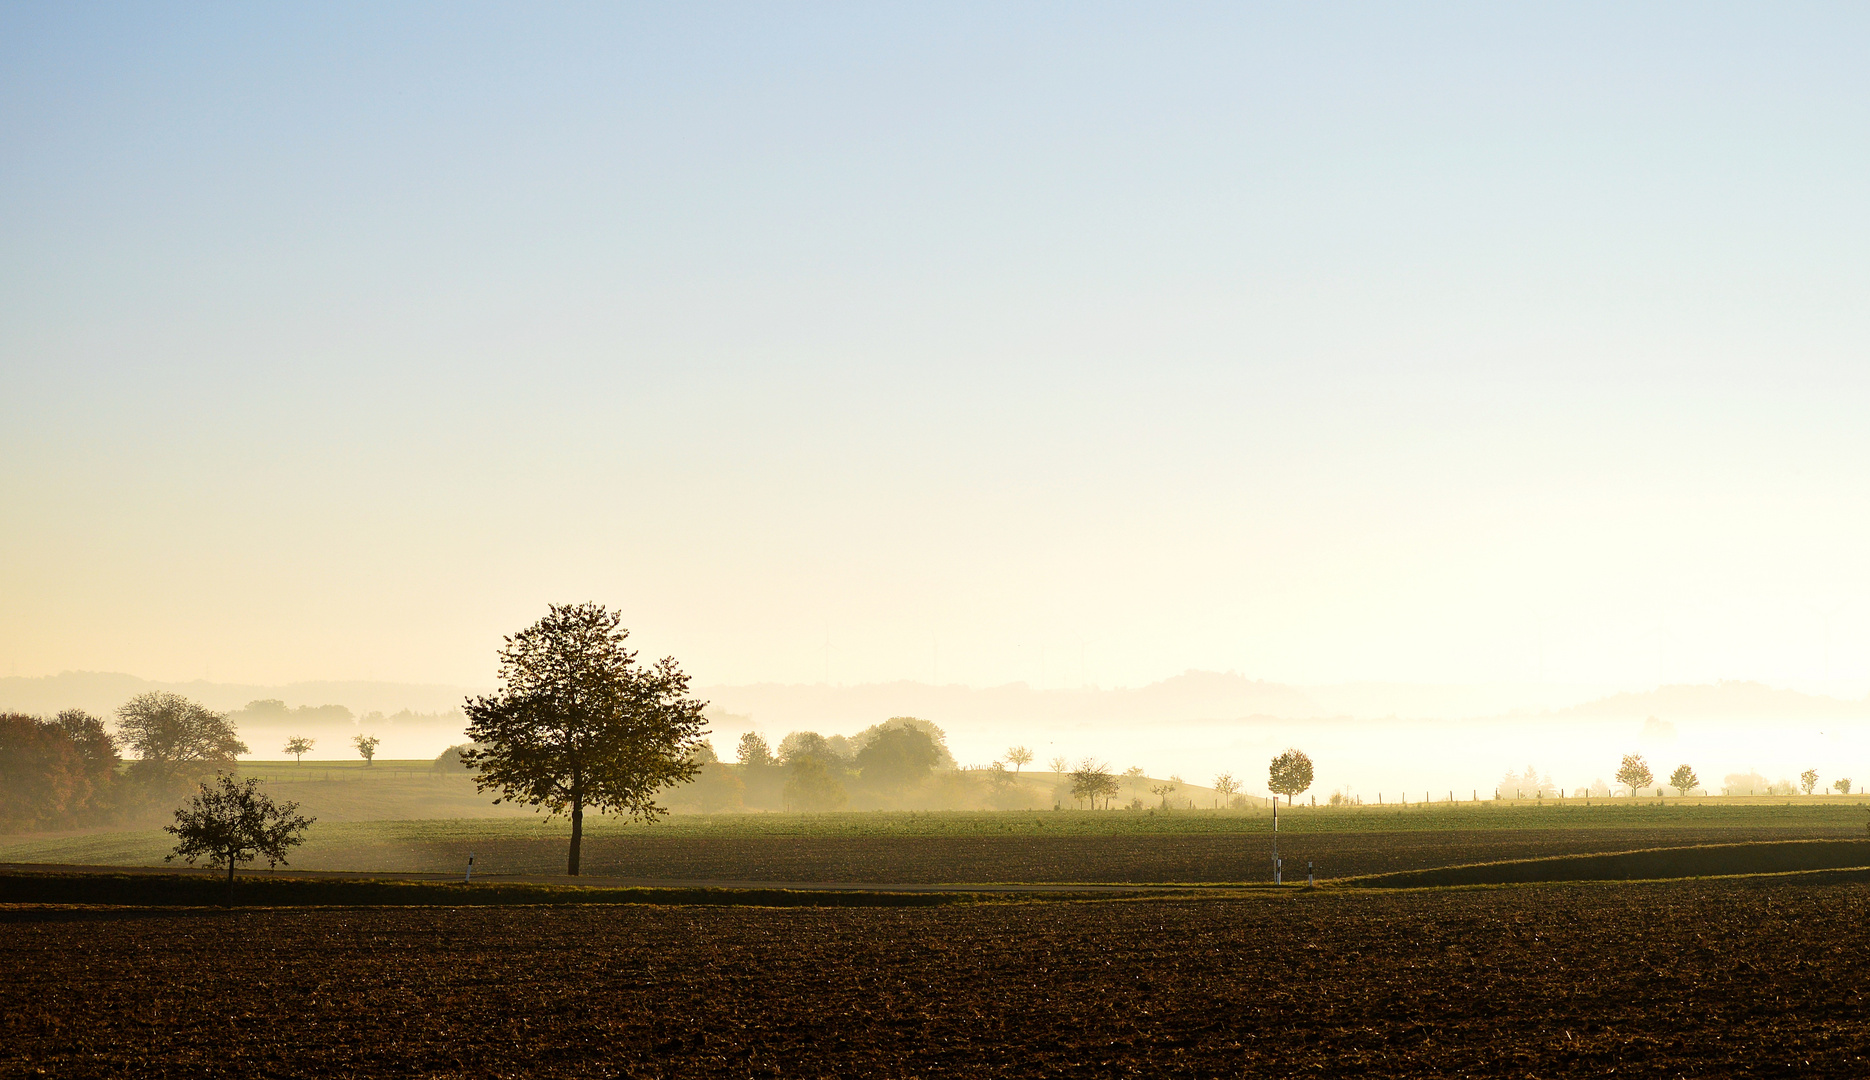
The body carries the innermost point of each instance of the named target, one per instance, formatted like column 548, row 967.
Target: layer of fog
column 1367, row 740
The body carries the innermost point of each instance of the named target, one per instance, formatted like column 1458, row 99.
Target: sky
column 1072, row 344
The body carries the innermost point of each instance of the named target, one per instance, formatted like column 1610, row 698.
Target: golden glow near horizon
column 961, row 345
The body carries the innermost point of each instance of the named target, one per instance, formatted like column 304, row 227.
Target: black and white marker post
column 1276, row 865
column 470, row 870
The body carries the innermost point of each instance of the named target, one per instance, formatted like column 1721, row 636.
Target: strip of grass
column 1702, row 860
column 201, row 890
column 362, row 844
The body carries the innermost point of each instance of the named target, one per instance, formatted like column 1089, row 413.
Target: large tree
column 578, row 722
column 170, row 732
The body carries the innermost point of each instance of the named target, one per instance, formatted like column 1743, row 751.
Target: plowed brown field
column 1694, row 979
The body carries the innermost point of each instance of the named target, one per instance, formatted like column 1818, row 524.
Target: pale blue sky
column 1055, row 343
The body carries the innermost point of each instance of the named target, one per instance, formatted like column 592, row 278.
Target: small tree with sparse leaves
column 1683, row 780
column 1809, row 780
column 366, row 747
column 1019, row 756
column 753, row 751
column 298, row 746
column 1225, row 786
column 1059, row 765
column 1634, row 773
column 1092, row 781
column 229, row 823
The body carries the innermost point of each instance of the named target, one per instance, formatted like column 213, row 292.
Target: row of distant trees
column 69, row 770
column 1635, row 776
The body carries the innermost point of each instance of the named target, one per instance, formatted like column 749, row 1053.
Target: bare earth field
column 1671, row 979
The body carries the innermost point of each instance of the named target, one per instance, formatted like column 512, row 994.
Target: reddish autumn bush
column 54, row 772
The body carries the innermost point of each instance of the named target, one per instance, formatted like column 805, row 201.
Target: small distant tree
column 1809, row 780
column 753, row 751
column 1683, row 780
column 366, row 747
column 1842, row 785
column 1092, row 781
column 1164, row 790
column 453, row 759
column 702, row 753
column 229, row 823
column 1059, row 765
column 1225, row 786
column 1289, row 774
column 1634, row 773
column 897, row 758
column 171, row 733
column 298, row 746
column 1019, row 756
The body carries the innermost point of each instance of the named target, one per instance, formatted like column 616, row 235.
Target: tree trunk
column 577, row 835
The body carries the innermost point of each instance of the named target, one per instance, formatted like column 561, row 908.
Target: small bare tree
column 298, row 746
column 1019, row 756
column 1059, row 765
column 1683, row 780
column 366, row 747
column 1225, row 786
column 1634, row 773
column 1809, row 780
column 1092, row 781
column 1164, row 790
column 231, row 823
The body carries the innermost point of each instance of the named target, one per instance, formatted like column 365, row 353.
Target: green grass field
column 399, row 816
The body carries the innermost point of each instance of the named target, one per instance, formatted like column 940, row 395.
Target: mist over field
column 1370, row 741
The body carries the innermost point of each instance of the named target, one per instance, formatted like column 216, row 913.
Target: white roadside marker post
column 470, row 870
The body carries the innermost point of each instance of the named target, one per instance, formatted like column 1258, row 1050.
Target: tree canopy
column 1683, row 780
column 1634, row 773
column 752, row 750
column 898, row 756
column 1289, row 774
column 578, row 722
column 169, row 732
